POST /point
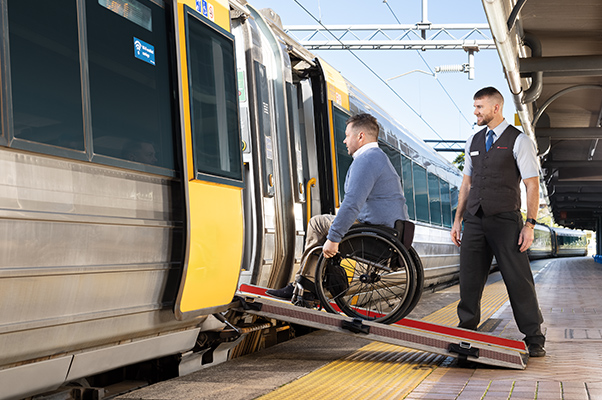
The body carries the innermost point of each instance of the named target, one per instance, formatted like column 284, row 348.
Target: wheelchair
column 376, row 276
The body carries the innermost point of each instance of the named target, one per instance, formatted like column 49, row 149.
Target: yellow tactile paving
column 373, row 372
column 494, row 297
column 382, row 371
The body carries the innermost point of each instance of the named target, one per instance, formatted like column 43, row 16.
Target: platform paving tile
column 569, row 293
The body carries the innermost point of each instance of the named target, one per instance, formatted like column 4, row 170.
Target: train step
column 425, row 336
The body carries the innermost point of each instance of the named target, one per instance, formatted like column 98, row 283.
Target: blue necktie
column 489, row 140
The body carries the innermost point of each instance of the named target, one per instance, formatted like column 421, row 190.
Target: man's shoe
column 536, row 350
column 285, row 293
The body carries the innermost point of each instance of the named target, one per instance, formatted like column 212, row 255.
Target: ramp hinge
column 356, row 326
column 463, row 349
column 248, row 304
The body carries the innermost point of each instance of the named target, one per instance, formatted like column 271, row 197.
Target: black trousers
column 483, row 238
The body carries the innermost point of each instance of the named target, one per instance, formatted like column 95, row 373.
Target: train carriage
column 120, row 140
column 557, row 242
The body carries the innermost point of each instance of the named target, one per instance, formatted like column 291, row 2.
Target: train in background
column 164, row 152
column 557, row 242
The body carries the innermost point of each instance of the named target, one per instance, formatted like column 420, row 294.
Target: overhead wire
column 431, row 70
column 370, row 69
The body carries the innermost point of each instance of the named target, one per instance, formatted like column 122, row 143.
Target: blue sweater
column 373, row 195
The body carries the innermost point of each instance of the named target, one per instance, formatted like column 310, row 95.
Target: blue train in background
column 557, row 242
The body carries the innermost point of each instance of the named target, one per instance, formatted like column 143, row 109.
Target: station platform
column 327, row 365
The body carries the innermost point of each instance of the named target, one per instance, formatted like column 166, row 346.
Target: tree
column 459, row 161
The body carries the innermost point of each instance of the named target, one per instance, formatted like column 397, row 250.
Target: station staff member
column 497, row 158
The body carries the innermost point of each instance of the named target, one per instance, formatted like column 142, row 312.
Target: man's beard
column 484, row 121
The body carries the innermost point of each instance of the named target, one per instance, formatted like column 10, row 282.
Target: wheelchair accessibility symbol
column 206, row 9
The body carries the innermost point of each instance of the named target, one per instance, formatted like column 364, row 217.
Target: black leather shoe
column 285, row 293
column 536, row 350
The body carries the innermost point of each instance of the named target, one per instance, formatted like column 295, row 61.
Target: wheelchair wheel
column 373, row 278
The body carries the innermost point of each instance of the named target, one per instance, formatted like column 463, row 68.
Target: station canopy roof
column 552, row 55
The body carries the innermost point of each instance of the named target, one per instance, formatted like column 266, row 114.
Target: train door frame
column 311, row 171
column 288, row 231
column 338, row 185
column 254, row 155
column 298, row 154
column 261, row 247
column 330, row 90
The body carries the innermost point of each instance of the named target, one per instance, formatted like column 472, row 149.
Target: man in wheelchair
column 373, row 195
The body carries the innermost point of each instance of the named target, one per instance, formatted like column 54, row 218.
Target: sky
column 450, row 118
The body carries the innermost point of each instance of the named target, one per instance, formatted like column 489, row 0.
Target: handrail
column 310, row 183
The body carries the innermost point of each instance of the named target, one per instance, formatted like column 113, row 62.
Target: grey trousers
column 483, row 238
column 317, row 230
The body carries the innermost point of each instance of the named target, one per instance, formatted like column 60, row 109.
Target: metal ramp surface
column 439, row 339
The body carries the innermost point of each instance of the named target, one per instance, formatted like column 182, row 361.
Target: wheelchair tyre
column 373, row 278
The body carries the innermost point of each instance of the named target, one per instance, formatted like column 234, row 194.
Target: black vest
column 495, row 176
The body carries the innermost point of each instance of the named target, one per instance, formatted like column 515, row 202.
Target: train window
column 130, row 84
column 343, row 159
column 45, row 72
column 132, row 10
column 454, row 202
column 434, row 199
column 445, row 204
column 421, row 193
column 265, row 128
column 408, row 185
column 394, row 157
column 213, row 100
column 296, row 143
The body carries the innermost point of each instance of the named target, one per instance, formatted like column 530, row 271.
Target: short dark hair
column 364, row 122
column 489, row 91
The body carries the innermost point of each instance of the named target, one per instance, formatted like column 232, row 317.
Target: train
column 557, row 242
column 156, row 154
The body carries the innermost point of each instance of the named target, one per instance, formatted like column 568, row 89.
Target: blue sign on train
column 144, row 51
column 201, row 6
column 206, row 9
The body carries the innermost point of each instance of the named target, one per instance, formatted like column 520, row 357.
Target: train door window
column 421, row 194
column 45, row 72
column 296, row 142
column 213, row 100
column 445, row 204
column 434, row 199
column 265, row 131
column 130, row 84
column 408, row 186
column 343, row 159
